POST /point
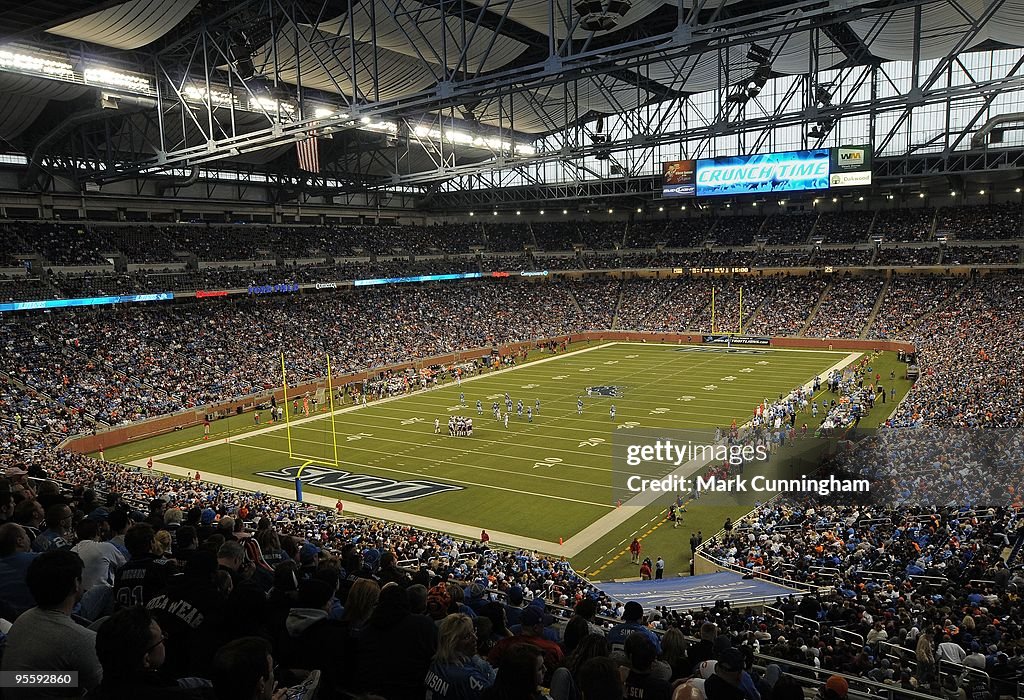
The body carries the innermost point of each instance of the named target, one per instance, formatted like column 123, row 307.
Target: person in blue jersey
column 456, row 672
column 632, row 621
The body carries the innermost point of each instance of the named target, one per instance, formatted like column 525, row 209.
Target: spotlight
column 759, row 54
column 587, row 7
column 981, row 192
column 663, row 208
column 471, row 213
column 518, row 212
column 638, row 210
column 598, row 23
column 542, row 212
column 565, row 211
column 610, row 211
column 620, row 7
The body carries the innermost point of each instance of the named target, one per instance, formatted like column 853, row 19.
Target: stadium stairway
column 951, row 300
column 618, row 305
column 814, row 312
column 878, row 305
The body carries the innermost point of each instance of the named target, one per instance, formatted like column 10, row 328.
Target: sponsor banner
column 850, row 159
column 84, row 301
column 679, row 178
column 418, row 278
column 204, row 293
column 534, row 273
column 372, row 488
column 765, row 173
column 850, row 179
column 273, row 288
column 326, row 285
column 736, row 340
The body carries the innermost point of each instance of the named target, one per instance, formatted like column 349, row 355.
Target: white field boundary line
column 347, row 409
column 607, row 523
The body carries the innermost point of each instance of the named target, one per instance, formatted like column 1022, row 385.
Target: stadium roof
column 406, row 87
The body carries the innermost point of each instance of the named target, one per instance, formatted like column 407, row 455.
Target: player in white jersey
column 479, row 408
column 506, row 421
column 437, row 426
column 462, row 399
column 612, row 412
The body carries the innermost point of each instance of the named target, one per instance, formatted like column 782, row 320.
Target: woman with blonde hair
column 456, row 671
column 362, row 599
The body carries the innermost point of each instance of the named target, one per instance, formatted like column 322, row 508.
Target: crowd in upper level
column 55, row 243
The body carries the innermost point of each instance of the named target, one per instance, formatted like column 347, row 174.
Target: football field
column 542, row 481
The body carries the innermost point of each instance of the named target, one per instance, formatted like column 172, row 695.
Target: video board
column 767, row 173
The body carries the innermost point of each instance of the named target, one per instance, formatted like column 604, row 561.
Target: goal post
column 331, row 450
column 714, row 329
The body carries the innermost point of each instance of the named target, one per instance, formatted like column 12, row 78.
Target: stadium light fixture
column 24, row 60
column 638, row 210
column 542, row 212
column 981, row 192
column 921, row 196
column 1018, row 190
column 861, row 198
column 117, row 79
column 727, row 206
column 663, row 208
column 471, row 213
column 754, row 204
column 495, row 213
column 953, row 193
column 611, row 211
column 684, row 207
column 518, row 213
column 782, row 202
column 566, row 211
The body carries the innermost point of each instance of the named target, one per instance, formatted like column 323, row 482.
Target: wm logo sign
column 851, row 156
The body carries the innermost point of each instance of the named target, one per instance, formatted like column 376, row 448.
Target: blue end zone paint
column 693, row 592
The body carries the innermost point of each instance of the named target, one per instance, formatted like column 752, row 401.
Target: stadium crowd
column 396, row 592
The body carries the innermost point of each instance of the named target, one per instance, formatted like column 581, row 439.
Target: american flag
column 308, row 151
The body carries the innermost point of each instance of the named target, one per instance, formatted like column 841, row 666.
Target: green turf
column 511, row 481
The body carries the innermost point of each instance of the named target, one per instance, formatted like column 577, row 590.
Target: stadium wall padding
column 164, row 424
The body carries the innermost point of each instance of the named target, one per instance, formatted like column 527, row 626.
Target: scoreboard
column 766, row 173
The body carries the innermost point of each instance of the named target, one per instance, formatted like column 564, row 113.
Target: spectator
column 456, row 670
column 520, row 676
column 394, row 633
column 143, row 576
column 101, row 559
column 640, row 681
column 15, row 558
column 243, row 669
column 45, row 637
column 57, row 534
column 632, row 621
column 130, row 647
